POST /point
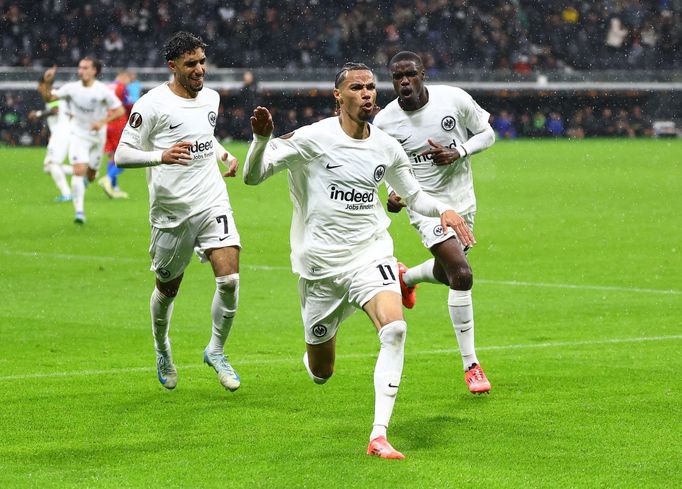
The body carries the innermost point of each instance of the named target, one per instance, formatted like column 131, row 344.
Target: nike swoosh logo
column 331, row 167
column 388, row 283
column 222, row 239
column 394, row 386
column 465, row 330
column 402, row 141
column 177, row 125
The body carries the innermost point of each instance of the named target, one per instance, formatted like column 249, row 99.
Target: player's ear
column 172, row 65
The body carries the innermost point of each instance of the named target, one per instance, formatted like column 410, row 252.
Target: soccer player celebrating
column 432, row 125
column 91, row 105
column 171, row 132
column 340, row 246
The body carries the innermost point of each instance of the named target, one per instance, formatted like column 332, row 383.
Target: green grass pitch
column 578, row 304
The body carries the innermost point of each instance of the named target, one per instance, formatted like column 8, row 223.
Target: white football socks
column 57, row 173
column 387, row 373
column 161, row 308
column 421, row 273
column 78, row 192
column 223, row 310
column 462, row 315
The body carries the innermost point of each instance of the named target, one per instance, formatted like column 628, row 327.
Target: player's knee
column 393, row 333
column 228, row 289
column 461, row 277
column 228, row 284
column 167, row 289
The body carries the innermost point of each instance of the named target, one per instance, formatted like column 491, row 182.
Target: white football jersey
column 57, row 123
column 338, row 223
column 158, row 120
column 447, row 118
column 87, row 105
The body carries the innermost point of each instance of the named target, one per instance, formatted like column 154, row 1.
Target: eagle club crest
column 379, row 172
column 319, row 330
column 448, row 123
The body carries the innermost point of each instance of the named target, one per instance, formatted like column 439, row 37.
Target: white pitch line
column 513, row 283
column 116, row 371
column 613, row 288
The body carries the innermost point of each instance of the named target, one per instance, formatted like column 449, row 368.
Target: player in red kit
column 109, row 182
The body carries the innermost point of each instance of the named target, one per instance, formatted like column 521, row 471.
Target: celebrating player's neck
column 180, row 90
column 355, row 128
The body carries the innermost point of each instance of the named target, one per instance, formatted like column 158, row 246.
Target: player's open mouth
column 368, row 107
column 406, row 91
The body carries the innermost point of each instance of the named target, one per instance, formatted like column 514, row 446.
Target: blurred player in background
column 57, row 118
column 433, row 124
column 340, row 246
column 91, row 105
column 109, row 182
column 171, row 133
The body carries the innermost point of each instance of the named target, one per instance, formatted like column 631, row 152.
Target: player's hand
column 48, row 76
column 453, row 220
column 232, row 166
column 261, row 122
column 441, row 155
column 178, row 154
column 97, row 125
column 394, row 203
column 33, row 115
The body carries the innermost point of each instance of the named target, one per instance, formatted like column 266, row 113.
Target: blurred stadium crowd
column 512, row 38
column 516, row 35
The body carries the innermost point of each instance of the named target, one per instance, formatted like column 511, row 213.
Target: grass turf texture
column 578, row 300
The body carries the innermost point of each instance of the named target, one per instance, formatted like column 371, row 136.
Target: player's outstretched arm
column 45, row 84
column 255, row 169
column 127, row 156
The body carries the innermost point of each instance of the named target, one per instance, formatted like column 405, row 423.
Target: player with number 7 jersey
column 170, row 132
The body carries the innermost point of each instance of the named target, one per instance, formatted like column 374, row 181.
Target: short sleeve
column 62, row 92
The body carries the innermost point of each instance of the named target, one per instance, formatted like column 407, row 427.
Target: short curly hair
column 341, row 75
column 182, row 42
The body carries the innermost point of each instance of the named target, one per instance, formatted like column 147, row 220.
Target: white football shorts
column 432, row 233
column 171, row 248
column 57, row 148
column 327, row 302
column 87, row 150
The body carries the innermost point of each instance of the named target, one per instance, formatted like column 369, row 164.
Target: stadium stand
column 509, row 42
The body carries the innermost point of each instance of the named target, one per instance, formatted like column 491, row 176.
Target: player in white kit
column 91, row 106
column 171, row 132
column 340, row 246
column 433, row 123
column 56, row 115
